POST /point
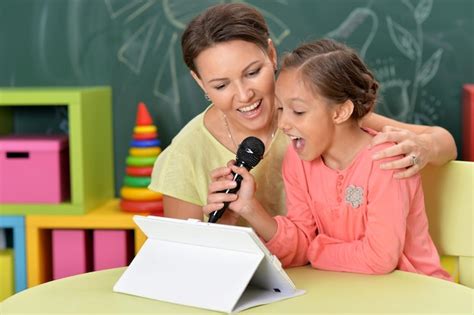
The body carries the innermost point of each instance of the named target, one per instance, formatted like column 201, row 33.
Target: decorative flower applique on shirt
column 354, row 195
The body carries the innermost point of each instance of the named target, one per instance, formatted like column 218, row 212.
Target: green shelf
column 89, row 111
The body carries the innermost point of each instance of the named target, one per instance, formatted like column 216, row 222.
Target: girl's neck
column 349, row 140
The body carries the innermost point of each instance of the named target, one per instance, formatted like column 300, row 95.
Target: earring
column 207, row 97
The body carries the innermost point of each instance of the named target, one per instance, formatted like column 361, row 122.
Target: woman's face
column 239, row 79
column 304, row 116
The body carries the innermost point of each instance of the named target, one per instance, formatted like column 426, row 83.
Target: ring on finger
column 414, row 160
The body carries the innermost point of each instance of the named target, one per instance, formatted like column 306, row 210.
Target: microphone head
column 250, row 152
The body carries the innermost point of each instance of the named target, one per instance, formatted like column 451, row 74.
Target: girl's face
column 239, row 79
column 305, row 117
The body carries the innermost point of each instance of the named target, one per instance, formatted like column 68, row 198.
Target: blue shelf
column 17, row 224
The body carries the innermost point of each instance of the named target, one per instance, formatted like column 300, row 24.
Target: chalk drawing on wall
column 168, row 66
column 155, row 38
column 393, row 89
column 180, row 12
column 278, row 29
column 116, row 8
column 133, row 51
column 424, row 70
column 403, row 98
column 158, row 35
column 352, row 24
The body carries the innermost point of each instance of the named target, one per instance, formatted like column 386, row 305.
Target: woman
column 232, row 58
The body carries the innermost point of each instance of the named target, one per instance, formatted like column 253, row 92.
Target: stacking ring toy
column 141, row 206
column 145, row 143
column 140, row 160
column 139, row 171
column 134, row 181
column 151, row 151
column 144, row 129
column 137, row 194
column 145, row 136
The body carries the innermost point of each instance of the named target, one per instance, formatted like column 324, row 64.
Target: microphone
column 249, row 153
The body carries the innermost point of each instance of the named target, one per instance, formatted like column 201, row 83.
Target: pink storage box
column 34, row 169
column 112, row 248
column 71, row 252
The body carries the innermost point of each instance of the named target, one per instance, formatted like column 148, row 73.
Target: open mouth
column 252, row 109
column 298, row 143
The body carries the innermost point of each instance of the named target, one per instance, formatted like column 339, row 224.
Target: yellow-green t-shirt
column 182, row 169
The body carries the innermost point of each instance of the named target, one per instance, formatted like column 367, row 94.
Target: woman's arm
column 429, row 144
column 179, row 209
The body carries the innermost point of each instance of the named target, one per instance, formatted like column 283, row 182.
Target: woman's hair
column 336, row 72
column 223, row 23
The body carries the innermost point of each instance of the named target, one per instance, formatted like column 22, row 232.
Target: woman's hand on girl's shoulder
column 415, row 151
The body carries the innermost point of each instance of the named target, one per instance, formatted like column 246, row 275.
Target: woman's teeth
column 249, row 108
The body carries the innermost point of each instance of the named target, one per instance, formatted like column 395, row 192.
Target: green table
column 326, row 292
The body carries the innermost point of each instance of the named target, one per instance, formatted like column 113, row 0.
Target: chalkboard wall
column 421, row 51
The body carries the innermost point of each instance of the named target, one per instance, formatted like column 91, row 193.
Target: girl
column 344, row 212
column 229, row 53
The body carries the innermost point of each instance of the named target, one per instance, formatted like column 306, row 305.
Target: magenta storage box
column 34, row 169
column 71, row 253
column 112, row 248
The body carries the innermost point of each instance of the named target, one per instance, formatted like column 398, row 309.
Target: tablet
column 213, row 266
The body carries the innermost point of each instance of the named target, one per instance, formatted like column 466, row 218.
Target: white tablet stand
column 212, row 266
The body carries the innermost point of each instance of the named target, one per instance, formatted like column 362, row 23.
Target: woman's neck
column 230, row 133
column 237, row 133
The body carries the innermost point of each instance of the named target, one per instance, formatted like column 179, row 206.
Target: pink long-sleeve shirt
column 359, row 219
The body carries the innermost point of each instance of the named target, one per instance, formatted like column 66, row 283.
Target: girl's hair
column 336, row 72
column 223, row 23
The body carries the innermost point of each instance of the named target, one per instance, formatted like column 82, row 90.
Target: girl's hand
column 246, row 194
column 243, row 203
column 416, row 150
column 221, row 180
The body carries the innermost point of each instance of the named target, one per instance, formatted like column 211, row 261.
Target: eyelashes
column 249, row 74
column 297, row 113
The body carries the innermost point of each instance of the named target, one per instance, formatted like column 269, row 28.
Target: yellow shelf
column 38, row 234
column 7, row 283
